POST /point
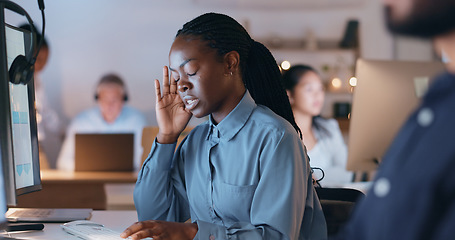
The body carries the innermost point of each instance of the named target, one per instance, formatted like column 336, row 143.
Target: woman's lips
column 190, row 104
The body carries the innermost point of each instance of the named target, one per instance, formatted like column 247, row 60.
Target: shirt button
column 382, row 187
column 212, row 237
column 425, row 117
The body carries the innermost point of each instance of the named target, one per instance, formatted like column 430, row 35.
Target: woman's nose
column 182, row 85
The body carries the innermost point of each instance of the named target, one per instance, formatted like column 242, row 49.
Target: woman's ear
column 291, row 99
column 232, row 61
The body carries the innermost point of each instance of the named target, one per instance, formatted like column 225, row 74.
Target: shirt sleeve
column 65, row 159
column 279, row 201
column 239, row 230
column 160, row 193
column 337, row 173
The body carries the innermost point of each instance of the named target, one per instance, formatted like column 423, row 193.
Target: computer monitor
column 18, row 127
column 386, row 94
column 3, row 204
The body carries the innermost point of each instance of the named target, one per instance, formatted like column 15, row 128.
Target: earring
column 231, row 73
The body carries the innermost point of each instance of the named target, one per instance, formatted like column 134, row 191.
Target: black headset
column 22, row 68
column 121, row 83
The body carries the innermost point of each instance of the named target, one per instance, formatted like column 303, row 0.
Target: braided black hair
column 260, row 73
column 290, row 79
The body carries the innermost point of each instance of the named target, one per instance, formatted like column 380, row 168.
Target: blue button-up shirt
column 244, row 178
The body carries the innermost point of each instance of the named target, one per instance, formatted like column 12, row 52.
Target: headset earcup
column 21, row 71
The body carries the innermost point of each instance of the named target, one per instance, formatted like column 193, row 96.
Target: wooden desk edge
column 50, row 176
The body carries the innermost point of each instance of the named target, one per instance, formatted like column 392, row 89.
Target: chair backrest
column 148, row 136
column 337, row 205
column 339, row 194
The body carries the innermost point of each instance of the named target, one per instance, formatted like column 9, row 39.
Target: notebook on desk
column 104, row 152
column 47, row 214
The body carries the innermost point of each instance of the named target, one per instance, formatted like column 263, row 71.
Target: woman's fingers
column 166, row 87
column 144, row 234
column 160, row 230
column 132, row 229
column 173, row 85
column 138, row 227
column 157, row 90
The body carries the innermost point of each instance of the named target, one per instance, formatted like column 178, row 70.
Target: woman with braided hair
column 243, row 174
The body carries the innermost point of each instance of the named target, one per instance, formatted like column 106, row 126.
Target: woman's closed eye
column 191, row 74
column 176, row 77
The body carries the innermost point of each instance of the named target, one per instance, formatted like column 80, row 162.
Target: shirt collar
column 443, row 84
column 236, row 119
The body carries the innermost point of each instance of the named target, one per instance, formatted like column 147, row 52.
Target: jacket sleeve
column 160, row 189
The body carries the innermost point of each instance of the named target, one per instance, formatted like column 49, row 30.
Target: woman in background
column 322, row 137
column 49, row 124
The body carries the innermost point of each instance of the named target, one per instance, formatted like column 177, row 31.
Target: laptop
column 48, row 214
column 104, row 152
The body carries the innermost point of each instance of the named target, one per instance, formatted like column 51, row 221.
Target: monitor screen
column 20, row 155
column 386, row 94
column 22, row 137
column 3, row 204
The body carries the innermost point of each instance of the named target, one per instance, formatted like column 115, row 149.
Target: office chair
column 337, row 205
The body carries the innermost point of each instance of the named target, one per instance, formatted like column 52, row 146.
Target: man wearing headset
column 111, row 115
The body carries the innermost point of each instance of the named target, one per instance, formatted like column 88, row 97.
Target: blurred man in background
column 111, row 115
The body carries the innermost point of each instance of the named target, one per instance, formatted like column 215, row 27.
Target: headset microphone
column 41, row 6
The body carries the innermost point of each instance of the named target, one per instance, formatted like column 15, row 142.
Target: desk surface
column 51, row 176
column 115, row 220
